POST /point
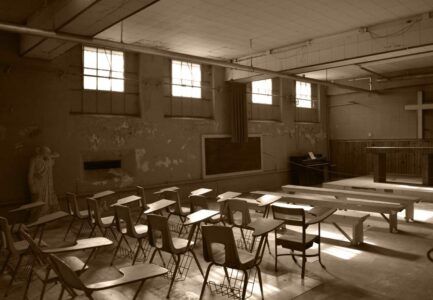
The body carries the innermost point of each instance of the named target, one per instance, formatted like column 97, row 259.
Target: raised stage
column 409, row 186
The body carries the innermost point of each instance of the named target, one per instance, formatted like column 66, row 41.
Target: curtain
column 237, row 93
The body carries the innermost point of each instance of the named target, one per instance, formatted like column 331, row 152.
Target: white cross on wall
column 419, row 107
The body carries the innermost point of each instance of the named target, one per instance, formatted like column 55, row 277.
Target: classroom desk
column 228, row 195
column 157, row 206
column 102, row 194
column 20, row 215
column 263, row 201
column 169, row 189
column 83, row 244
column 126, row 200
column 27, row 207
column 200, row 192
column 261, row 228
column 195, row 219
column 44, row 220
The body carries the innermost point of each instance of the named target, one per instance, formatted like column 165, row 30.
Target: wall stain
column 30, row 131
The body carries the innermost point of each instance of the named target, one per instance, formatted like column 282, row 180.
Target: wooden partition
column 351, row 158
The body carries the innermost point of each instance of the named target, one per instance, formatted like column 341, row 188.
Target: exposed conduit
column 165, row 53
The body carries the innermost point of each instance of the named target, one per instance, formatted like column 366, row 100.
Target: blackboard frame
column 203, row 155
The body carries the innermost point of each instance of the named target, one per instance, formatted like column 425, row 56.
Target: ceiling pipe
column 165, row 53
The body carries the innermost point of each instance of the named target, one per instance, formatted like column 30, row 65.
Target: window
column 262, row 92
column 103, row 70
column 185, row 79
column 303, row 95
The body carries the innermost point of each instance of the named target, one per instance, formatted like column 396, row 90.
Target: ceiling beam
column 165, row 53
column 372, row 44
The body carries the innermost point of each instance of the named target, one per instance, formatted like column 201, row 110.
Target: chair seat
column 293, row 240
column 180, row 244
column 84, row 214
column 21, row 246
column 73, row 262
column 139, row 229
column 107, row 221
column 246, row 258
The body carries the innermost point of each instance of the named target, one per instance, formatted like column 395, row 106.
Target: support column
column 379, row 167
column 427, row 169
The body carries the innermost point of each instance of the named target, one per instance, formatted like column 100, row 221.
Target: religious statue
column 40, row 179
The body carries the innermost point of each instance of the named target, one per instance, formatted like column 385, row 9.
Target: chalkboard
column 221, row 156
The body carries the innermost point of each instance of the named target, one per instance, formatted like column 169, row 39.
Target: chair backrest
column 7, row 241
column 158, row 225
column 140, row 193
column 175, row 196
column 213, row 236
column 198, row 202
column 124, row 213
column 94, row 211
column 36, row 250
column 290, row 216
column 238, row 206
column 73, row 207
column 66, row 274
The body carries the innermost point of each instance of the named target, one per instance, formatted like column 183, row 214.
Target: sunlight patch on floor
column 422, row 215
column 341, row 252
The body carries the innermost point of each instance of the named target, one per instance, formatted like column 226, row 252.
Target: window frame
column 266, row 95
column 311, row 106
column 191, row 86
column 111, row 71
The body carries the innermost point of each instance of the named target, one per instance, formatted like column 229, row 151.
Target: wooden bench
column 407, row 201
column 355, row 221
column 383, row 208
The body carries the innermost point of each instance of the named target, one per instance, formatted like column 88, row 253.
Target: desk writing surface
column 263, row 226
column 28, row 206
column 158, row 205
column 168, row 189
column 200, row 216
column 267, row 199
column 200, row 191
column 82, row 244
column 127, row 200
column 49, row 218
column 228, row 195
column 102, row 194
column 306, row 208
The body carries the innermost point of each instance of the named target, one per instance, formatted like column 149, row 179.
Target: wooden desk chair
column 233, row 207
column 41, row 266
column 138, row 273
column 177, row 209
column 198, row 202
column 103, row 223
column 77, row 215
column 160, row 238
column 137, row 231
column 230, row 257
column 14, row 249
column 293, row 240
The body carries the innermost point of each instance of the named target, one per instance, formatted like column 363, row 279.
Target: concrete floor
column 387, row 266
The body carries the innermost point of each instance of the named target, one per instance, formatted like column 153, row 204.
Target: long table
column 379, row 162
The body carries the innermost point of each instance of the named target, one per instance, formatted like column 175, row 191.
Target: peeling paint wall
column 36, row 100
